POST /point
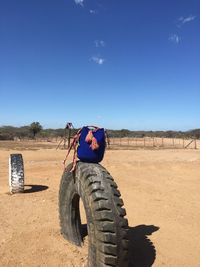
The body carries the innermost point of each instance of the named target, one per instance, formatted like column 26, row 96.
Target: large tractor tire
column 107, row 228
column 16, row 173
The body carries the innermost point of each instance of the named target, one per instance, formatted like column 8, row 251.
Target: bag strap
column 74, row 146
column 92, row 126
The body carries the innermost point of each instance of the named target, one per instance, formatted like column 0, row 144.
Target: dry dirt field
column 160, row 189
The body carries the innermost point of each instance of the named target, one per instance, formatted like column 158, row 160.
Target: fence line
column 154, row 142
column 134, row 143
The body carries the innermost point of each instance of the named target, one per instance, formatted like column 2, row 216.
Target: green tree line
column 35, row 129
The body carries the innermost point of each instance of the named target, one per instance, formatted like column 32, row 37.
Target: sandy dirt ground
column 160, row 189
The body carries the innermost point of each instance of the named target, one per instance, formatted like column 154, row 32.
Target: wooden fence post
column 69, row 137
column 65, row 136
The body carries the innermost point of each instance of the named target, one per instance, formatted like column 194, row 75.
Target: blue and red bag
column 89, row 145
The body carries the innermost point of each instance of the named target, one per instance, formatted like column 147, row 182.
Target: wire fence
column 153, row 142
column 124, row 143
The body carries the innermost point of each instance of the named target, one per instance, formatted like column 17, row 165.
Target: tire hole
column 84, row 231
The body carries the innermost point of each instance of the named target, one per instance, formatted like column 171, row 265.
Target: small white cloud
column 174, row 38
column 92, row 11
column 183, row 20
column 99, row 43
column 98, row 60
column 79, row 2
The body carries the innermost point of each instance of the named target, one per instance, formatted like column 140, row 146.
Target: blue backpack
column 89, row 145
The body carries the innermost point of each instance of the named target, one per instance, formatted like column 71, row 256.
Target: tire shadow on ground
column 142, row 252
column 33, row 188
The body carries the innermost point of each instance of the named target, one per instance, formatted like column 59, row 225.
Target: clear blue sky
column 118, row 64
